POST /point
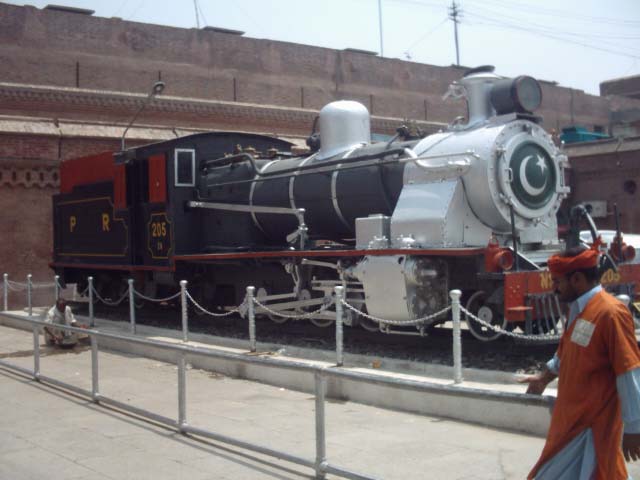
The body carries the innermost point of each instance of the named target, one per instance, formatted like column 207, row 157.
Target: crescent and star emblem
column 530, row 189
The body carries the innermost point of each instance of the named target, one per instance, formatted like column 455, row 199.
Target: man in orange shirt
column 597, row 364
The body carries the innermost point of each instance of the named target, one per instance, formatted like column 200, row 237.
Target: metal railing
column 320, row 464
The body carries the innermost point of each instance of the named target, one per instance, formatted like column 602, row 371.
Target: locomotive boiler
column 397, row 223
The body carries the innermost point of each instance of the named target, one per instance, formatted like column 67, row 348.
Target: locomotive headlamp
column 521, row 94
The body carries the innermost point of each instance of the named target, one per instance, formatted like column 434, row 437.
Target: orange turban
column 563, row 265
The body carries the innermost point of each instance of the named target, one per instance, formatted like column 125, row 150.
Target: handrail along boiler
column 397, row 223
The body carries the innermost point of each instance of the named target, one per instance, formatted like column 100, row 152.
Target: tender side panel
column 89, row 228
column 78, row 172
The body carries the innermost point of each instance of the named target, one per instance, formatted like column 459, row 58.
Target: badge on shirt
column 582, row 332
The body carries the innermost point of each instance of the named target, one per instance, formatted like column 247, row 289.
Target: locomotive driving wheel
column 261, row 294
column 478, row 306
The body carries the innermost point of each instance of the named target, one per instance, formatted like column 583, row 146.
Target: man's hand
column 631, row 446
column 538, row 382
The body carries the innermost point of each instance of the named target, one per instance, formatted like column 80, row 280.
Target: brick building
column 70, row 82
column 606, row 173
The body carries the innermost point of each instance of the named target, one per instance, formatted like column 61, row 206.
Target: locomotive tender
column 397, row 223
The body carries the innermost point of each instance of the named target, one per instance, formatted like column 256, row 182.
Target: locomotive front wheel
column 477, row 306
column 369, row 325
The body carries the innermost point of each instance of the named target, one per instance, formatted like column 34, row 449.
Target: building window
column 185, row 167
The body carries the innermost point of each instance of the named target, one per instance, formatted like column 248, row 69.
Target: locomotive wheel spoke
column 477, row 306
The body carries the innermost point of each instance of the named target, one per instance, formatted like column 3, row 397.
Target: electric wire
column 426, row 35
column 554, row 37
column 563, row 30
column 543, row 31
column 556, row 13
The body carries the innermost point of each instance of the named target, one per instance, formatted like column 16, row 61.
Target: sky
column 577, row 43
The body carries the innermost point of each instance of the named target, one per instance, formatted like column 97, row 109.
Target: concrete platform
column 47, row 432
column 489, row 398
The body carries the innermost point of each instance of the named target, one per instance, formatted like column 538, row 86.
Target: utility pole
column 195, row 5
column 454, row 14
column 380, row 21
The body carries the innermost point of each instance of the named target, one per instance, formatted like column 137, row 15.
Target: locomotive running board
column 436, row 252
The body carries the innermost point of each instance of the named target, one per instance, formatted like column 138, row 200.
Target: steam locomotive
column 397, row 223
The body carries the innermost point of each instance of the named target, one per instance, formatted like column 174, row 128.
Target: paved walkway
column 48, row 433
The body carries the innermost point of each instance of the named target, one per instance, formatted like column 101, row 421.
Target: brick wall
column 601, row 171
column 71, row 50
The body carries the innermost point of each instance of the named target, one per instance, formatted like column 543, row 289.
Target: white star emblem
column 541, row 164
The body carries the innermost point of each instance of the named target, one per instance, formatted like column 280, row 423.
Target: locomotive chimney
column 344, row 125
column 478, row 84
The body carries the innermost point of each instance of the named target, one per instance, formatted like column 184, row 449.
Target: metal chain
column 497, row 329
column 204, row 310
column 14, row 288
column 22, row 286
column 299, row 316
column 423, row 321
column 159, row 300
column 109, row 303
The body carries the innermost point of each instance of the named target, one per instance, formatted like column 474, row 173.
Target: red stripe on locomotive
column 93, row 169
column 157, row 179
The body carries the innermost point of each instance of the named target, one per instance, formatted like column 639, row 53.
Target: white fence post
column 29, row 305
column 56, row 287
column 132, row 306
column 92, row 320
column 457, row 341
column 339, row 333
column 95, row 391
column 183, row 304
column 36, row 352
column 5, row 291
column 252, row 318
column 321, row 452
column 182, row 391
